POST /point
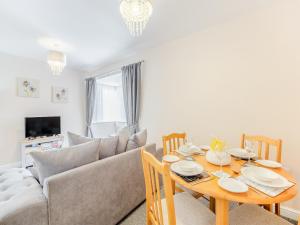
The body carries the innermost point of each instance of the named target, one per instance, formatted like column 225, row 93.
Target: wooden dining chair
column 173, row 141
column 178, row 209
column 248, row 214
column 265, row 142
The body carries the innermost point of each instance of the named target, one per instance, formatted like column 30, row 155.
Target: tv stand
column 39, row 144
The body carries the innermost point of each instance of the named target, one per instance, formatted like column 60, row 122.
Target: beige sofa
column 99, row 193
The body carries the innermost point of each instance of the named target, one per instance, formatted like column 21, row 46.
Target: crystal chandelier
column 136, row 14
column 56, row 61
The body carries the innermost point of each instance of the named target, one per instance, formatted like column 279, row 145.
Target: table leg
column 277, row 209
column 222, row 212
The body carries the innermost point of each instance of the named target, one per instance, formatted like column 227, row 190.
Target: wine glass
column 220, row 156
column 189, row 141
column 188, row 144
column 249, row 147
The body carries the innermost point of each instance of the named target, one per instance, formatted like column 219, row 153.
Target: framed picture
column 28, row 88
column 59, row 95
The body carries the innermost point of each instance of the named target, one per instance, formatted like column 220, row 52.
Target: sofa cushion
column 75, row 139
column 107, row 147
column 123, row 135
column 137, row 140
column 49, row 163
column 21, row 199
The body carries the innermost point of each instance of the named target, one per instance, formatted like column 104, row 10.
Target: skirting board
column 11, row 165
column 289, row 213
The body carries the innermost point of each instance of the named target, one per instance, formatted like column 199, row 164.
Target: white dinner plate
column 255, row 174
column 232, row 185
column 171, row 158
column 269, row 163
column 241, row 153
column 187, row 168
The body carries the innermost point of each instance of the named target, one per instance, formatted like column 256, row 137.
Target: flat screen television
column 42, row 126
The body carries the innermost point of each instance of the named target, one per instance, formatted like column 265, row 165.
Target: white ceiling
column 92, row 32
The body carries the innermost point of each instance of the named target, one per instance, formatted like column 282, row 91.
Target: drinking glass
column 249, row 147
column 219, row 156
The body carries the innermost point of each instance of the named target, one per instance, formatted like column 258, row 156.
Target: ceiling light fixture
column 136, row 14
column 56, row 61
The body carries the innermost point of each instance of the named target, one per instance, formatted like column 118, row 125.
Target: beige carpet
column 137, row 217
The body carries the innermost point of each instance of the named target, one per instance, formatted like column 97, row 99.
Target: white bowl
column 187, row 167
column 267, row 176
column 184, row 168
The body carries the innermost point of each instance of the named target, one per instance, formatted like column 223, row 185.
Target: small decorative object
column 59, row 95
column 56, row 62
column 218, row 156
column 136, row 14
column 28, row 88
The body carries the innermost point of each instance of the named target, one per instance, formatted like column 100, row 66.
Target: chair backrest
column 267, row 142
column 153, row 171
column 173, row 141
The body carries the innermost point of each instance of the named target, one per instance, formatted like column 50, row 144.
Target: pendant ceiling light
column 56, row 61
column 136, row 14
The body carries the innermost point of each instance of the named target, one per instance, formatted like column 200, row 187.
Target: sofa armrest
column 102, row 192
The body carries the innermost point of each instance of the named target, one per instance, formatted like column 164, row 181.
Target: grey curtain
column 131, row 79
column 90, row 104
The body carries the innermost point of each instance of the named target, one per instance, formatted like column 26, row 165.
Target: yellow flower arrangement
column 217, row 145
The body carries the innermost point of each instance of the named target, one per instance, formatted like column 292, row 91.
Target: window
column 109, row 106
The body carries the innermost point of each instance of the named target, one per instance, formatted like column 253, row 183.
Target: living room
column 211, row 70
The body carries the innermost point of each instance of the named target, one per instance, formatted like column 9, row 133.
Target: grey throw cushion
column 123, row 135
column 75, row 139
column 137, row 140
column 107, row 147
column 49, row 163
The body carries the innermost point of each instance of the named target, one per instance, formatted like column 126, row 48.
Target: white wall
column 240, row 76
column 13, row 109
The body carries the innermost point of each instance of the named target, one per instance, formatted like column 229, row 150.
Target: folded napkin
column 270, row 191
column 198, row 178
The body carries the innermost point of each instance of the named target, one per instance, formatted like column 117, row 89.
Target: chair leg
column 212, row 204
column 173, row 186
column 148, row 219
column 277, row 209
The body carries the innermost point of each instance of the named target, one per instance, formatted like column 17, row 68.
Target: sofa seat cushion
column 21, row 198
column 249, row 214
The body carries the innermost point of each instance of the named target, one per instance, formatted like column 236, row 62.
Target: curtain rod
column 110, row 72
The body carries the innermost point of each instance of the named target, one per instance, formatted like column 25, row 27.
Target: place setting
column 190, row 171
column 189, row 149
column 264, row 180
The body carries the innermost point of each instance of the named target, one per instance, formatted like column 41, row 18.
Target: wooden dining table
column 222, row 197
